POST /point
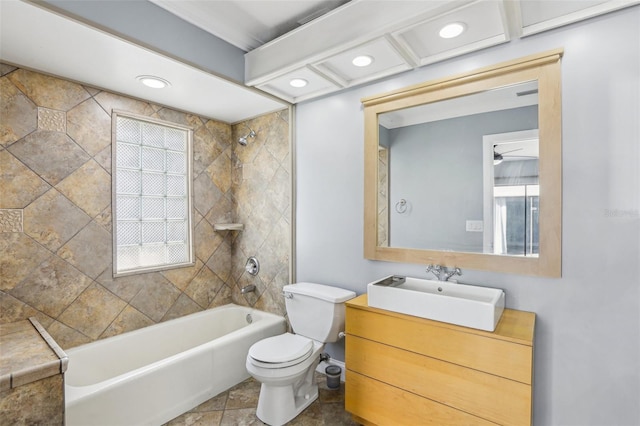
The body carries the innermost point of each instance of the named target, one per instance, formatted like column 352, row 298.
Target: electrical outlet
column 475, row 226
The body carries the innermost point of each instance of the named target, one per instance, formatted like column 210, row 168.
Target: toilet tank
column 316, row 311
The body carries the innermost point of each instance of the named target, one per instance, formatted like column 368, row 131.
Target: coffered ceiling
column 398, row 36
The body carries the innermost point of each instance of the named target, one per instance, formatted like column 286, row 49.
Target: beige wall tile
column 89, row 250
column 89, row 126
column 52, row 286
column 52, row 220
column 128, row 320
column 89, row 188
column 48, row 92
column 156, row 298
column 20, row 186
column 52, row 155
column 59, row 220
column 93, row 311
column 19, row 114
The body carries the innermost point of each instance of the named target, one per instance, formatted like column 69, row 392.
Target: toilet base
column 278, row 405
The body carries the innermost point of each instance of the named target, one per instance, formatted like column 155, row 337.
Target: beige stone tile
column 6, row 69
column 128, row 320
column 178, row 117
column 104, row 219
column 224, row 297
column 221, row 212
column 240, row 417
column 52, row 286
column 206, row 240
column 278, row 139
column 204, row 287
column 156, row 298
column 220, row 261
column 38, row 403
column 12, row 310
column 52, row 155
column 182, row 277
column 66, row 336
column 334, row 414
column 89, row 188
column 109, row 101
column 104, row 158
column 129, row 286
column 205, row 150
column 91, row 90
column 48, row 92
column 183, row 306
column 52, row 220
column 209, row 418
column 20, row 186
column 19, row 256
column 89, row 250
column 89, row 126
column 51, row 119
column 205, row 193
column 96, row 304
column 220, row 171
column 221, row 132
column 217, row 403
column 270, row 301
column 279, row 190
column 311, row 416
column 244, row 395
column 27, row 356
column 11, row 220
column 19, row 114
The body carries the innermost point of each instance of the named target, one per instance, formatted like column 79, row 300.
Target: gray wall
column 149, row 25
column 587, row 369
column 437, row 167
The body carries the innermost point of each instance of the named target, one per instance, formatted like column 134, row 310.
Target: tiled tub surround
column 124, row 379
column 31, row 375
column 55, row 158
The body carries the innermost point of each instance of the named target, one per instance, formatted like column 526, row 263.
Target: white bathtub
column 151, row 375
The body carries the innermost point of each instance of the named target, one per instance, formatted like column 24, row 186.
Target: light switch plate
column 475, row 226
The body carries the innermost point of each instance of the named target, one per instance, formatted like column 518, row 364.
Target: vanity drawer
column 484, row 395
column 470, row 348
column 381, row 404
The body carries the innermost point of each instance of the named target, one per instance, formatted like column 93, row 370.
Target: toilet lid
column 286, row 348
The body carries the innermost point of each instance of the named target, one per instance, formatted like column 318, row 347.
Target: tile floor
column 237, row 407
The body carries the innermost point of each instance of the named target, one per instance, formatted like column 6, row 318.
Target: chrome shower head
column 243, row 140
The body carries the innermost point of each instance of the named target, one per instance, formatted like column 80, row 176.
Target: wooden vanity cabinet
column 405, row 370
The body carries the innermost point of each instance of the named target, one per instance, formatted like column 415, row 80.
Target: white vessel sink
column 460, row 304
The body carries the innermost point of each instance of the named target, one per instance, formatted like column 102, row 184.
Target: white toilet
column 286, row 364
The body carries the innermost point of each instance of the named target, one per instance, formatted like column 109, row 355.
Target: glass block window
column 151, row 195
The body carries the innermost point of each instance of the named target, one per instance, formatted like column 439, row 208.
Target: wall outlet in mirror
column 475, row 226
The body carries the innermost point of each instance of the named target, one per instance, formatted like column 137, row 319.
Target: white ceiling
column 399, row 34
column 37, row 39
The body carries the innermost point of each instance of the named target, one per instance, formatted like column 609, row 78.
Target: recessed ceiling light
column 153, row 81
column 362, row 61
column 452, row 30
column 298, row 82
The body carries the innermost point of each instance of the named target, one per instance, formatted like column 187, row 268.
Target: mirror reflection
column 462, row 174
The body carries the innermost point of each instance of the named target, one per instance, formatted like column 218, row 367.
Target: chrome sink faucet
column 443, row 273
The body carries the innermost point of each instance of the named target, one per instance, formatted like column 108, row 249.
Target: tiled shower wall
column 55, row 213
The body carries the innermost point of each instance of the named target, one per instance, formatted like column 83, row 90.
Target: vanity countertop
column 28, row 354
column 514, row 326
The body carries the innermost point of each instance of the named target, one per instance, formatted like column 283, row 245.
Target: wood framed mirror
column 466, row 171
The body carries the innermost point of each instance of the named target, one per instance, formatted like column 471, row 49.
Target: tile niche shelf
column 228, row 226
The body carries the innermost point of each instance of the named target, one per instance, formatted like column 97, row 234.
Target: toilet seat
column 280, row 351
